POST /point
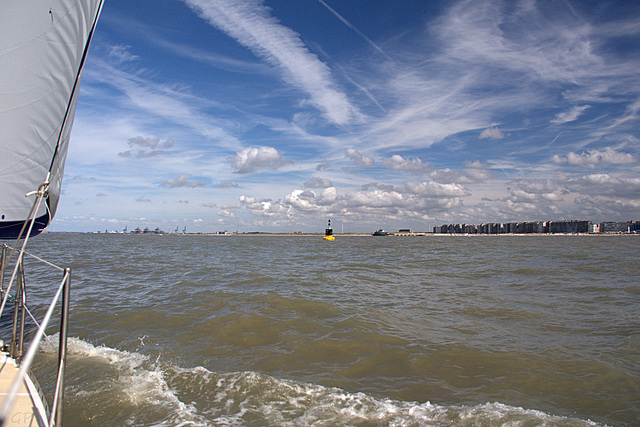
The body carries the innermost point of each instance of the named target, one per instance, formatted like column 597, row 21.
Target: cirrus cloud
column 571, row 115
column 252, row 25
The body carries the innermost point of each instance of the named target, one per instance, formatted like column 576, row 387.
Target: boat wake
column 149, row 391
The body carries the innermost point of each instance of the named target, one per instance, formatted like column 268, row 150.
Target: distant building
column 539, row 227
column 615, row 227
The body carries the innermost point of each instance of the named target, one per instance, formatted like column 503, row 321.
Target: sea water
column 366, row 331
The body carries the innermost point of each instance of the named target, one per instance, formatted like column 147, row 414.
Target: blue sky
column 279, row 115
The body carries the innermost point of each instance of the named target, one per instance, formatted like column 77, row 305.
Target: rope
column 40, row 195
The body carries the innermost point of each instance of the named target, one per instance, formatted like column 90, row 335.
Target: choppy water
column 413, row 331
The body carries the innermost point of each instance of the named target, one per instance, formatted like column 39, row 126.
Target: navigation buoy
column 328, row 233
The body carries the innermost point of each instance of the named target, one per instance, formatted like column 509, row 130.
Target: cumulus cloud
column 602, row 184
column 182, row 181
column 226, row 214
column 571, row 115
column 518, row 195
column 492, row 133
column 537, row 186
column 474, row 173
column 607, row 208
column 361, row 160
column 478, row 174
column 250, row 159
column 317, row 182
column 410, row 200
column 592, row 158
column 143, row 199
column 146, row 147
column 310, row 201
column 226, row 185
column 263, row 207
column 397, row 162
column 434, row 189
column 324, row 165
column 447, row 176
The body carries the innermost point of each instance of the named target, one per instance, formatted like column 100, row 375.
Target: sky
column 276, row 116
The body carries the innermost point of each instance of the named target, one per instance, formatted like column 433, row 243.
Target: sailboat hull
column 10, row 230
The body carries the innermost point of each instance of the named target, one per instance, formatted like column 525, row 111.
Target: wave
column 146, row 391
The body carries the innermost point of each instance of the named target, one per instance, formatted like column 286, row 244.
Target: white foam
column 142, row 380
column 236, row 399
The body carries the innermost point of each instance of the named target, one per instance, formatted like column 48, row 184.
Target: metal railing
column 20, row 312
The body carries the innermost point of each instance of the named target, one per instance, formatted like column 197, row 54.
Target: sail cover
column 43, row 44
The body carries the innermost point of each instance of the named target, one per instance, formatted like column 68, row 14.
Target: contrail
column 348, row 24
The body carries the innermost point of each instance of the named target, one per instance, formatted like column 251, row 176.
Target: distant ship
column 380, row 233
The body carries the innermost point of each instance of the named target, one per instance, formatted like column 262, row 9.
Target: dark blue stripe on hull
column 9, row 230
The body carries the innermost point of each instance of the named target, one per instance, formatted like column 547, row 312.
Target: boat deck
column 24, row 411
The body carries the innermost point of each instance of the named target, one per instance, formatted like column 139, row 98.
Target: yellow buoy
column 328, row 232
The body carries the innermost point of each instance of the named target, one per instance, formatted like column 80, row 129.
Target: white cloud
column 262, row 207
column 434, row 189
column 152, row 143
column 324, row 165
column 446, row 176
column 361, row 160
column 603, row 184
column 302, row 200
column 492, row 133
column 146, row 147
column 226, row 214
column 467, row 176
column 537, row 186
column 571, row 115
column 251, row 24
column 145, row 101
column 397, row 162
column 521, row 196
column 317, row 182
column 523, row 40
column 121, row 54
column 252, row 158
column 182, row 181
column 226, row 185
column 592, row 158
column 477, row 174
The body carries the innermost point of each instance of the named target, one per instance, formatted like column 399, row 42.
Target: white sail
column 43, row 44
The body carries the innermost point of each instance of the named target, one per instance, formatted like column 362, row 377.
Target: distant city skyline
column 277, row 116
